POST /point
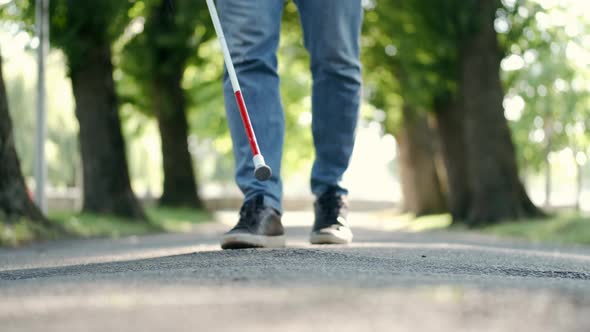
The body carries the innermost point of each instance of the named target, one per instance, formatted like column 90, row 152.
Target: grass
column 564, row 228
column 16, row 233
column 90, row 225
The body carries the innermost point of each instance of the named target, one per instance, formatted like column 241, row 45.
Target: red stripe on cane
column 247, row 124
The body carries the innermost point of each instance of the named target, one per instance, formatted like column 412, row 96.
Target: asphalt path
column 386, row 281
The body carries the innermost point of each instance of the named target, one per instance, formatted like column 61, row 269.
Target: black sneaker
column 330, row 226
column 259, row 227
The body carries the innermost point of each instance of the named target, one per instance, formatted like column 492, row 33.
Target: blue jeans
column 331, row 31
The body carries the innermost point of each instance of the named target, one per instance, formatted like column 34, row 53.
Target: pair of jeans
column 331, row 30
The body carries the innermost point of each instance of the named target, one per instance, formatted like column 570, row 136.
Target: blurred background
column 513, row 76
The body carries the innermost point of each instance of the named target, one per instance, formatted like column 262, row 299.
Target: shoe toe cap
column 335, row 234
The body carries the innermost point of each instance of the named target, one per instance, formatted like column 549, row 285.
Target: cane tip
column 262, row 173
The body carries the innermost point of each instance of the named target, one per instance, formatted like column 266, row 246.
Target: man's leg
column 252, row 31
column 331, row 35
column 331, row 31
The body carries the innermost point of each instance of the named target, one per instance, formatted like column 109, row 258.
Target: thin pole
column 231, row 72
column 42, row 25
column 262, row 171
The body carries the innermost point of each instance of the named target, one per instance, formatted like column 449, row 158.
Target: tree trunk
column 421, row 186
column 180, row 187
column 496, row 190
column 107, row 188
column 451, row 130
column 15, row 202
column 168, row 102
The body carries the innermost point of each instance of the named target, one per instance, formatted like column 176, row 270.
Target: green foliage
column 18, row 92
column 202, row 82
column 549, row 86
column 79, row 27
column 61, row 144
column 172, row 33
column 409, row 55
column 135, row 65
column 411, row 52
column 174, row 38
column 18, row 18
column 20, row 13
column 23, row 231
column 14, row 234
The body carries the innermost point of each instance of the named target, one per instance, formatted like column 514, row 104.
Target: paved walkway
column 386, row 281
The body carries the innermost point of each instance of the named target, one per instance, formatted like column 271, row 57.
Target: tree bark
column 169, row 104
column 496, row 190
column 107, row 188
column 451, row 132
column 15, row 202
column 180, row 187
column 421, row 186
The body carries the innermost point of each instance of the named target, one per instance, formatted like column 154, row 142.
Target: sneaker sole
column 244, row 241
column 323, row 238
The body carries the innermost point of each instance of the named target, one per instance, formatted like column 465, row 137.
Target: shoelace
column 330, row 207
column 249, row 211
